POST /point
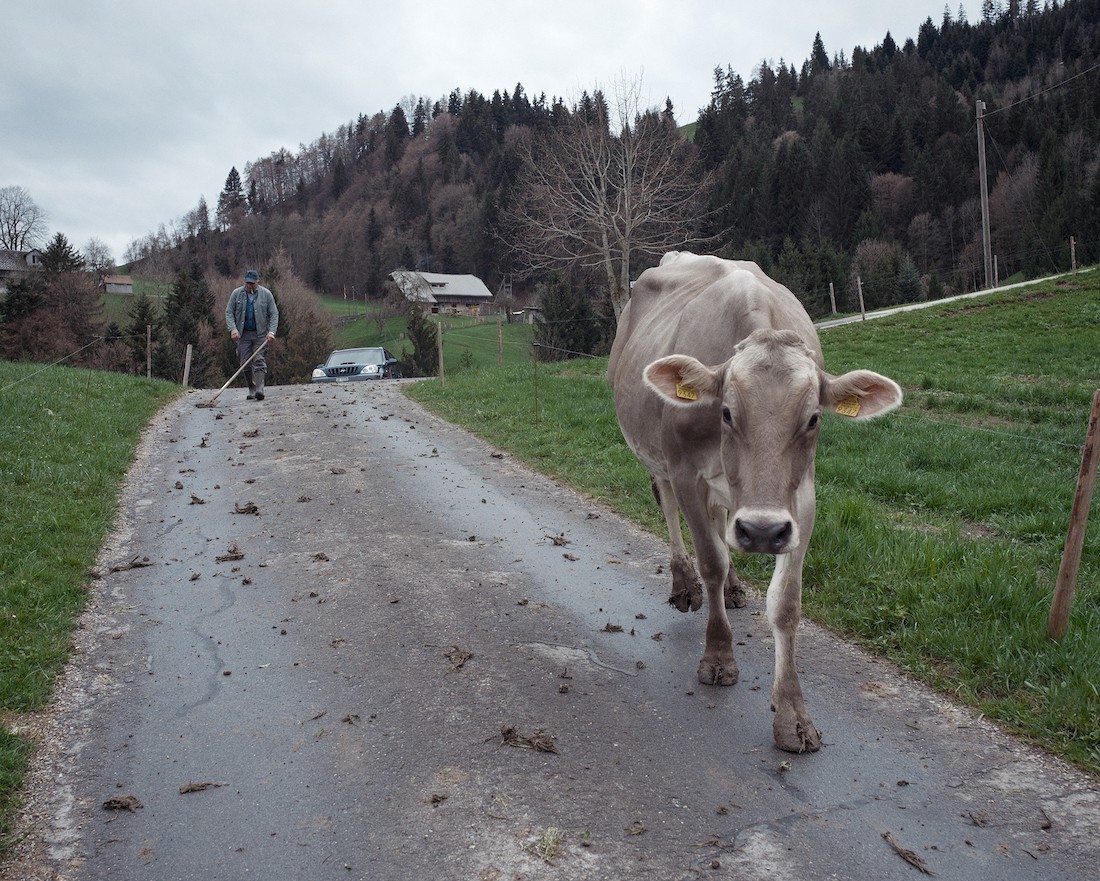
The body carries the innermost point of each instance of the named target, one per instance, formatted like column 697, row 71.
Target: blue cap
column 252, row 275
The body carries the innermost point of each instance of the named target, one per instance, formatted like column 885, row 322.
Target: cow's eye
column 812, row 424
column 727, row 417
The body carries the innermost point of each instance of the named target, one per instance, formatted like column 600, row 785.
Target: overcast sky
column 118, row 115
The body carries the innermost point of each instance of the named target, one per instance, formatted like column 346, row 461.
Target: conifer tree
column 424, row 358
column 143, row 314
column 60, row 256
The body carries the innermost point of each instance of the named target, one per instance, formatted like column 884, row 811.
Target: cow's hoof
column 796, row 736
column 715, row 673
column 686, row 600
column 735, row 594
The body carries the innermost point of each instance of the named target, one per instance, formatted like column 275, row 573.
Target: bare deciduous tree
column 97, row 256
column 599, row 191
column 22, row 222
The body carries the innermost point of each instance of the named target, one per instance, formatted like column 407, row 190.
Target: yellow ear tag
column 686, row 392
column 849, row 406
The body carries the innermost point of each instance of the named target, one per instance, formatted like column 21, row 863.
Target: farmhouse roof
column 118, row 279
column 13, row 261
column 435, row 287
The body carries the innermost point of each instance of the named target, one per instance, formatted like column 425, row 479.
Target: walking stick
column 212, row 401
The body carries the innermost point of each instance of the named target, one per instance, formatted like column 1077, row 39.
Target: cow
column 719, row 388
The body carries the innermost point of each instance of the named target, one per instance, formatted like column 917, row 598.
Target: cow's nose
column 771, row 537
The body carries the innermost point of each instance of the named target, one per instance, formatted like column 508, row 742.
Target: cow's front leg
column 687, row 592
column 792, row 727
column 718, row 666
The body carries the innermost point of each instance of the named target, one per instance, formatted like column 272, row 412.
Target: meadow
column 940, row 527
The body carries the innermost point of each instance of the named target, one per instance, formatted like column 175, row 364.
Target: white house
column 454, row 294
column 16, row 264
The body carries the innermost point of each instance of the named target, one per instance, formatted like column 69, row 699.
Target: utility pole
column 988, row 248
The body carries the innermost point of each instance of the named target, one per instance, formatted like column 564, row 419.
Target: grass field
column 940, row 528
column 468, row 343
column 67, row 442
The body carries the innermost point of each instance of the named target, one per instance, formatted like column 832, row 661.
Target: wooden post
column 984, row 190
column 187, row 365
column 1075, row 536
column 500, row 344
column 859, row 286
column 996, row 273
column 536, row 385
column 1073, row 254
column 148, row 351
column 439, row 349
column 832, row 297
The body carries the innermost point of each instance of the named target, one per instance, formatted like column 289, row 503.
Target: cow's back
column 700, row 306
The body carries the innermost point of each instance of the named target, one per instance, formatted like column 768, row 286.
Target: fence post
column 148, row 351
column 1066, row 584
column 500, row 344
column 832, row 297
column 439, row 350
column 859, row 287
column 536, row 350
column 1073, row 254
column 187, row 365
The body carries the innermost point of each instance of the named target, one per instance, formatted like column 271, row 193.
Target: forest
column 864, row 164
column 855, row 171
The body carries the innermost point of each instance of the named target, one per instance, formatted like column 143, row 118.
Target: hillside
column 858, row 163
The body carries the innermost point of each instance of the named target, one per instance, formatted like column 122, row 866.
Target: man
column 252, row 318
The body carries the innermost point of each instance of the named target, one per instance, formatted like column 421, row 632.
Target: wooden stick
column 210, row 403
column 1066, row 584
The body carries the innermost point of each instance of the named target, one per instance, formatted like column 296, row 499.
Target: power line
column 1057, row 85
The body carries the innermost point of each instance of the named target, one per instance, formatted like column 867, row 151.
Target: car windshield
column 356, row 356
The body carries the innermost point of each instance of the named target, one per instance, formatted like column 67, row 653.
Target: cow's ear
column 682, row 380
column 860, row 394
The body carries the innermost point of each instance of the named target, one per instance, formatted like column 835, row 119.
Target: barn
column 445, row 294
column 117, row 284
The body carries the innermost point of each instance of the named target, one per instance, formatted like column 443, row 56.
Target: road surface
column 345, row 640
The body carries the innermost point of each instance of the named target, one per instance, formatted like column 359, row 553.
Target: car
column 353, row 365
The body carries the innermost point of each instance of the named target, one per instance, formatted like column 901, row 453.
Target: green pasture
column 940, row 527
column 68, row 440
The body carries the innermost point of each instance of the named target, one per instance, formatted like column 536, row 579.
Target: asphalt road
column 316, row 688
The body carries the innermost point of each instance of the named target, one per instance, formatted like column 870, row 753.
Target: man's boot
column 258, row 380
column 251, row 385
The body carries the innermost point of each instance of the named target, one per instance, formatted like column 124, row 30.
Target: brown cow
column 719, row 387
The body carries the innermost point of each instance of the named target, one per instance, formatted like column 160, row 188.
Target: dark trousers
column 249, row 342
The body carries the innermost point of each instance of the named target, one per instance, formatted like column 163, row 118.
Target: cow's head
column 766, row 402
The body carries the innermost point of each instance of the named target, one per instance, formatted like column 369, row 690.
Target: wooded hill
column 847, row 165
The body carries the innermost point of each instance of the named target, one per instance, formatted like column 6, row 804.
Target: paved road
column 330, row 705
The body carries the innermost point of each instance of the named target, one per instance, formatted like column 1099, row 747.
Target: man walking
column 252, row 318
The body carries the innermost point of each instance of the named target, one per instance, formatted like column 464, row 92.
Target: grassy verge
column 68, row 439
column 940, row 528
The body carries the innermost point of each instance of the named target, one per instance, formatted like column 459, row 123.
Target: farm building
column 452, row 294
column 16, row 264
column 117, row 284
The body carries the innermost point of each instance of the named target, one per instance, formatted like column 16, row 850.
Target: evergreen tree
column 188, row 319
column 424, row 358
column 60, row 256
column 142, row 314
column 24, row 297
column 231, row 199
column 819, row 58
column 569, row 325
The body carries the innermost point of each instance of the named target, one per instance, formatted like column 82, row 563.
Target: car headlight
column 318, row 373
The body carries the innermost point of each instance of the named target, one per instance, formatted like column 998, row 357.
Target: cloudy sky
column 118, row 115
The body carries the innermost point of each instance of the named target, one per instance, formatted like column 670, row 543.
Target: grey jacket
column 267, row 313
